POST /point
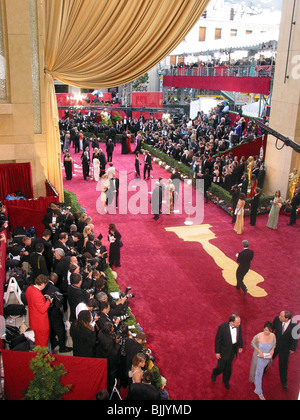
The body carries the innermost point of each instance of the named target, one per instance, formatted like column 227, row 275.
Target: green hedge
column 71, row 200
column 222, row 199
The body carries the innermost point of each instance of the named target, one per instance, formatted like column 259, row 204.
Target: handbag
column 120, row 243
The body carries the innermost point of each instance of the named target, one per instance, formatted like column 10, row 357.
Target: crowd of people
column 65, row 287
column 198, row 144
column 250, row 67
column 65, row 268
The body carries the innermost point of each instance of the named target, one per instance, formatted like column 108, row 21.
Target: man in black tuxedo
column 76, row 295
column 55, row 312
column 48, row 252
column 244, row 259
column 295, row 204
column 287, row 335
column 254, row 206
column 62, row 244
column 207, row 178
column 112, row 134
column 147, row 164
column 109, row 150
column 103, row 162
column 228, row 343
column 113, row 191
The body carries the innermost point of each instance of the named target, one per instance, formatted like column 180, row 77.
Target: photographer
column 117, row 308
column 131, row 348
column 25, row 253
column 92, row 306
column 99, row 282
column 62, row 244
column 101, row 254
column 108, row 347
column 38, row 262
column 76, row 295
column 53, row 221
column 55, row 312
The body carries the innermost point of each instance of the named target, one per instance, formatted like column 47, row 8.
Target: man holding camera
column 55, row 312
column 76, row 295
column 38, row 307
column 108, row 347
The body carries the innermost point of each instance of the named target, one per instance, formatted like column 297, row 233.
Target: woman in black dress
column 124, row 143
column 68, row 164
column 83, row 336
column 137, row 166
column 114, row 238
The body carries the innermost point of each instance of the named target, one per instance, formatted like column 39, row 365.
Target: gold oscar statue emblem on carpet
column 203, row 235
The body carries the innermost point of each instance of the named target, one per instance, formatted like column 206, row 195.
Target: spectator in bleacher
column 3, row 218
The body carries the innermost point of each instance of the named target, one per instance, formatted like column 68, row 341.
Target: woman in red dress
column 128, row 142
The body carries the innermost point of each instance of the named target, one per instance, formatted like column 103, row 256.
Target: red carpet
column 181, row 296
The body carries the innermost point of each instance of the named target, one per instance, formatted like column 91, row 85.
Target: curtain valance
column 106, row 43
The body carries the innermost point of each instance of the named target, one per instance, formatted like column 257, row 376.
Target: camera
column 148, row 354
column 121, row 317
column 57, row 297
column 90, row 291
column 95, row 312
column 126, row 294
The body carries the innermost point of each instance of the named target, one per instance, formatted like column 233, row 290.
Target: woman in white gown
column 170, row 189
column 104, row 187
column 275, row 210
column 96, row 165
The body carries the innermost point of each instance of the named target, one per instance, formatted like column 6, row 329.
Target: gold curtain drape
column 106, row 43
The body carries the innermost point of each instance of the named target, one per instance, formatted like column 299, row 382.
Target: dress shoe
column 290, row 224
column 54, row 344
column 227, row 386
column 245, row 292
column 285, row 387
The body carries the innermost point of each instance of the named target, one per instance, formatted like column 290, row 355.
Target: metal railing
column 222, row 71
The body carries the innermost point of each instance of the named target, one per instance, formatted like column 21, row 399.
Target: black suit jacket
column 244, row 260
column 148, row 162
column 288, row 340
column 296, row 201
column 75, row 295
column 223, row 341
column 38, row 265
